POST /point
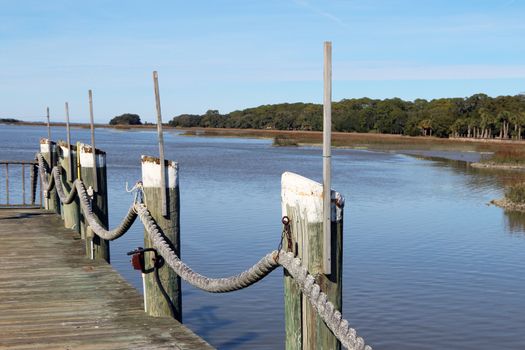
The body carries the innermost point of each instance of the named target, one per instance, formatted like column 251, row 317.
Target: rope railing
column 306, row 282
column 79, row 188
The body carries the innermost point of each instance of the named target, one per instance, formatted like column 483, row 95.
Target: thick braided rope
column 64, row 198
column 213, row 285
column 93, row 222
column 306, row 282
column 318, row 299
column 79, row 188
column 43, row 169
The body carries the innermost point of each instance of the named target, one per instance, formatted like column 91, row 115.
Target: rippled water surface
column 427, row 264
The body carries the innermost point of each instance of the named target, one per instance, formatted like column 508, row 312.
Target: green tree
column 126, row 119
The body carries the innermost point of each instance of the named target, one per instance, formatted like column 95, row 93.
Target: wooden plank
column 58, row 299
column 156, row 305
column 302, row 202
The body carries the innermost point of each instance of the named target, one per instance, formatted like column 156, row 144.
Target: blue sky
column 230, row 55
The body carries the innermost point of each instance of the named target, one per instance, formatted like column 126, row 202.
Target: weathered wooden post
column 70, row 211
column 48, row 151
column 302, row 203
column 156, row 304
column 96, row 247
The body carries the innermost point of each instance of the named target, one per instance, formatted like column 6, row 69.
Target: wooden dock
column 53, row 297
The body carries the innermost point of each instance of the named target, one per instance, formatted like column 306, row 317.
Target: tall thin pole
column 161, row 145
column 327, row 156
column 49, row 138
column 95, row 181
column 70, row 163
column 48, row 126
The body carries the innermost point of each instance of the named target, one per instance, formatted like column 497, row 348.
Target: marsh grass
column 284, row 141
column 511, row 155
column 516, row 193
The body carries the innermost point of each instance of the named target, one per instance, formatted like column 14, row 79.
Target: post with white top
column 96, row 247
column 302, row 203
column 49, row 152
column 169, row 224
column 67, row 158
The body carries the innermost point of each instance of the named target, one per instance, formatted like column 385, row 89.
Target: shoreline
column 489, row 165
column 508, row 205
column 469, row 150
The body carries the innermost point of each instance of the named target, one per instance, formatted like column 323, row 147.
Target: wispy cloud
column 330, row 16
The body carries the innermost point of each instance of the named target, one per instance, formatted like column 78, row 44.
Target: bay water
column 427, row 263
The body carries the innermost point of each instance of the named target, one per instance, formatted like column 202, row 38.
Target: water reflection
column 483, row 180
column 515, row 222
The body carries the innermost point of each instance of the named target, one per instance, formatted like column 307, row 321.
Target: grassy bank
column 284, row 141
column 516, row 193
column 509, row 155
column 514, row 199
column 367, row 140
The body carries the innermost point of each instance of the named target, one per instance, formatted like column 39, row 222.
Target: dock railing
column 312, row 299
column 22, row 175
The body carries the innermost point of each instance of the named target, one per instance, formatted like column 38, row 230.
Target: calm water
column 427, row 264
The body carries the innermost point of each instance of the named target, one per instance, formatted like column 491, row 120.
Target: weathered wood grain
column 53, row 297
column 70, row 212
column 96, row 247
column 156, row 304
column 302, row 202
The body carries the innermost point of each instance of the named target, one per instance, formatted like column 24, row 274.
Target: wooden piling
column 96, row 247
column 156, row 304
column 48, row 151
column 70, row 211
column 302, row 202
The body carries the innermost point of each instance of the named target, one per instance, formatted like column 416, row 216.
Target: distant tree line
column 477, row 116
column 9, row 120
